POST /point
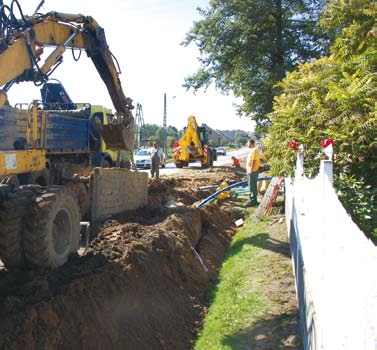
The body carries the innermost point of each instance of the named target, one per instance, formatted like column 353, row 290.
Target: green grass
column 241, row 297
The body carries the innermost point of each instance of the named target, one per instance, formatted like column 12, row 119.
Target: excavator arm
column 22, row 42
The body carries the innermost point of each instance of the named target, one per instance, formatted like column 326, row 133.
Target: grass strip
column 253, row 305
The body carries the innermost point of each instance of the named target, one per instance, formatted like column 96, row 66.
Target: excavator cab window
column 55, row 97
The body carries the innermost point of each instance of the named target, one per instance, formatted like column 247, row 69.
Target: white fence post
column 326, row 170
column 299, row 166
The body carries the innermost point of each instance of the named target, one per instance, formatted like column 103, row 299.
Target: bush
column 360, row 202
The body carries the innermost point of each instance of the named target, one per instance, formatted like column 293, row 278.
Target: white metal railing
column 335, row 266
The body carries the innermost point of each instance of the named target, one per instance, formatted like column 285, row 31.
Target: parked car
column 221, row 151
column 142, row 158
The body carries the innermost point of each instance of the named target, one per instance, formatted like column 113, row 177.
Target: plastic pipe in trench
column 214, row 195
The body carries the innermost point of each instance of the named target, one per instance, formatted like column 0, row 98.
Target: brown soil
column 142, row 284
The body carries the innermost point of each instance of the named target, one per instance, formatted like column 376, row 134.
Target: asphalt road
column 221, row 160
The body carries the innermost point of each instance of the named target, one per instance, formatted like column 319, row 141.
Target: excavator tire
column 209, row 160
column 211, row 156
column 82, row 196
column 52, row 231
column 12, row 214
column 41, row 178
column 179, row 165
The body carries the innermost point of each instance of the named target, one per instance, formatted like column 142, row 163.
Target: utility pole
column 165, row 124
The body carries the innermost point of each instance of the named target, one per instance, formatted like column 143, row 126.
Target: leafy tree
column 153, row 133
column 159, row 137
column 171, row 141
column 173, row 132
column 247, row 46
column 335, row 97
column 241, row 138
column 148, row 131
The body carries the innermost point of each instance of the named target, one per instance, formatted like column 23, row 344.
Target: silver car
column 221, row 151
column 142, row 158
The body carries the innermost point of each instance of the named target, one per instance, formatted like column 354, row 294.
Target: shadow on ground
column 277, row 333
column 264, row 241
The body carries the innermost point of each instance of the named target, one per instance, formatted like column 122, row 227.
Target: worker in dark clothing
column 155, row 160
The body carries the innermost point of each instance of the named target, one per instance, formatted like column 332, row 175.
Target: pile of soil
column 142, row 284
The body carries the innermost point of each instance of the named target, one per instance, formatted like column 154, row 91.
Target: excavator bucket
column 118, row 136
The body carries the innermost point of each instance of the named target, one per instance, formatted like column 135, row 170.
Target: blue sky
column 145, row 37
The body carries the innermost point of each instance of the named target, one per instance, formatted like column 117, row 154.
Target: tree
column 241, row 138
column 335, row 97
column 247, row 46
column 173, row 132
column 159, row 137
column 148, row 131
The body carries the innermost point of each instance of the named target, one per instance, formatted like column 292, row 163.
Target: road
column 221, row 160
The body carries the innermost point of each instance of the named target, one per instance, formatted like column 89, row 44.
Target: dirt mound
column 142, row 284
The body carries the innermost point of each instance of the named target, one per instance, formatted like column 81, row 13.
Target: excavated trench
column 142, row 284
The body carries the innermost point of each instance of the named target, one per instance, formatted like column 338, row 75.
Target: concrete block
column 115, row 190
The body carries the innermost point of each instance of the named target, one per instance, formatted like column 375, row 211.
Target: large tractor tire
column 41, row 178
column 82, row 196
column 209, row 160
column 214, row 152
column 211, row 156
column 52, row 230
column 179, row 165
column 12, row 213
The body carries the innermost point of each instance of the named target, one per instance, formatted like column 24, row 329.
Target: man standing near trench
column 252, row 170
column 155, row 160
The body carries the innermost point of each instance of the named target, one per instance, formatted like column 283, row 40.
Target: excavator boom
column 21, row 46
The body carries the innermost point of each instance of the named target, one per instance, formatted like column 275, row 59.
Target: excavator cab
column 54, row 96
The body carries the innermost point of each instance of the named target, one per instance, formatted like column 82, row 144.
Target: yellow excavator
column 193, row 146
column 40, row 226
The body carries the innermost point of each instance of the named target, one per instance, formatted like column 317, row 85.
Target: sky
column 145, row 37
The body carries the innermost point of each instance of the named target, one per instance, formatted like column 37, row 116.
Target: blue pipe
column 214, row 195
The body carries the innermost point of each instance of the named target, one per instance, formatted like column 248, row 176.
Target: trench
column 142, row 284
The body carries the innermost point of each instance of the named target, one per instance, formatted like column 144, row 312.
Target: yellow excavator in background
column 193, row 146
column 40, row 226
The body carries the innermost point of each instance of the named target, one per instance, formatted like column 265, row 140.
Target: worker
column 252, row 170
column 192, row 149
column 155, row 161
column 236, row 162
